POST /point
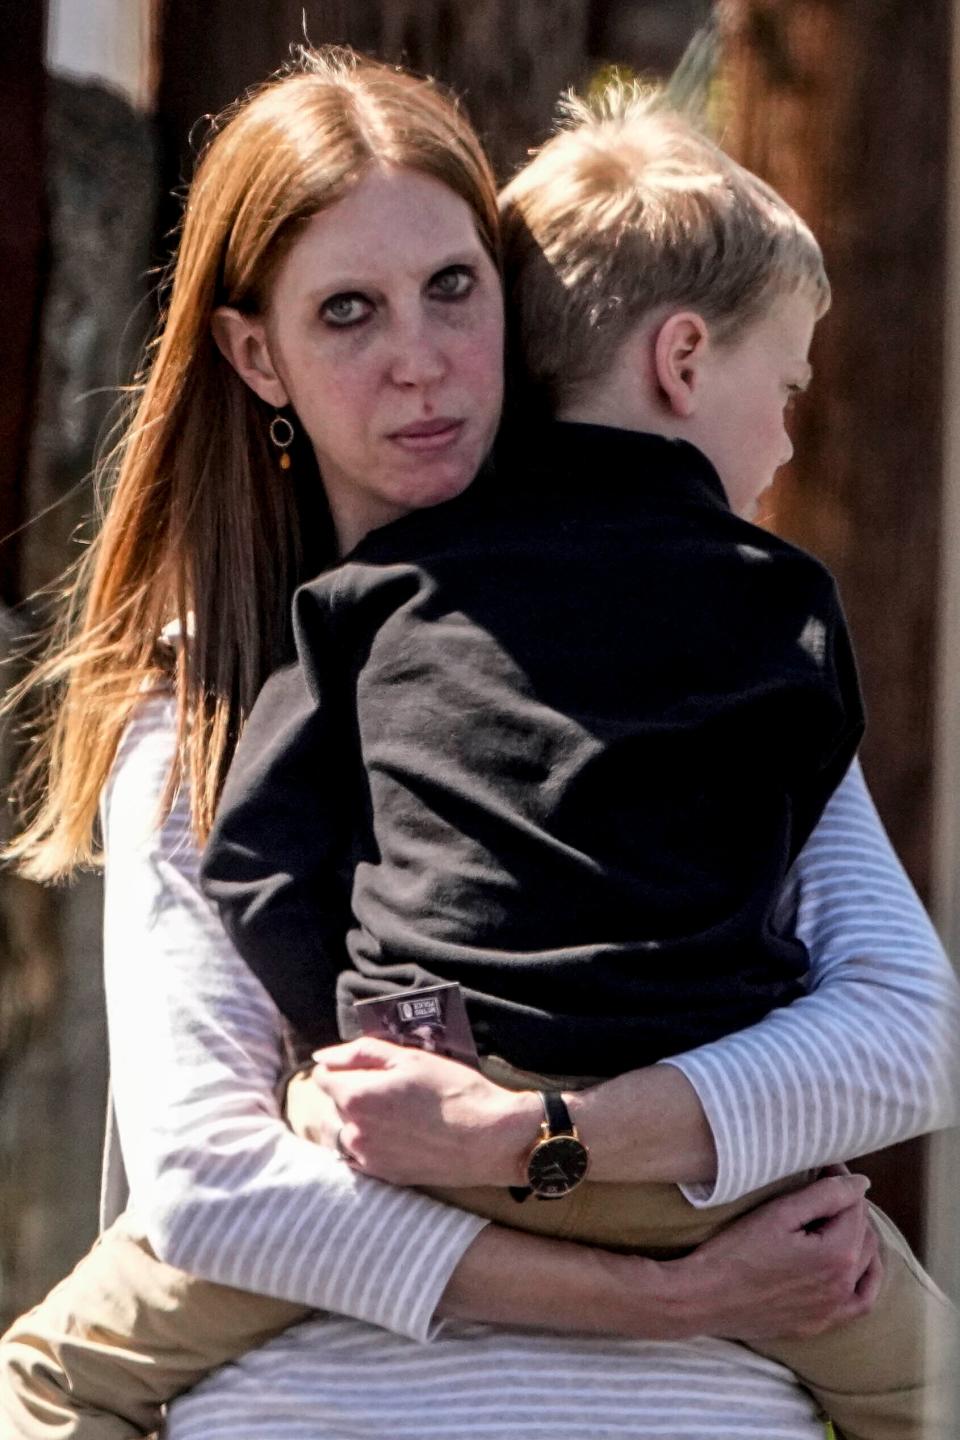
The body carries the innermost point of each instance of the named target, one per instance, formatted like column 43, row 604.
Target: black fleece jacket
column 558, row 740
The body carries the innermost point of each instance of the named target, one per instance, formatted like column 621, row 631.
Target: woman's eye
column 343, row 310
column 453, row 284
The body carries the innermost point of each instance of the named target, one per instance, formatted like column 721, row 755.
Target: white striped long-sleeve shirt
column 863, row 1060
column 226, row 1192
column 223, row 1189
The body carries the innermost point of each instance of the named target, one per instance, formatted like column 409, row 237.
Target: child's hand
column 414, row 1118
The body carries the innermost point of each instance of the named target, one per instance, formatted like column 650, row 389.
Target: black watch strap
column 556, row 1113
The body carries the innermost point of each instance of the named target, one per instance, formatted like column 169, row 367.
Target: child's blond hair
column 628, row 208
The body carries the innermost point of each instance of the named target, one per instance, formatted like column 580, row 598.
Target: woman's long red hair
column 200, row 525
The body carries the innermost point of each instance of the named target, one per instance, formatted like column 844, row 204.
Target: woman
column 218, row 1182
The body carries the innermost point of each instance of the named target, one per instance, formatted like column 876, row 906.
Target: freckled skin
column 387, row 313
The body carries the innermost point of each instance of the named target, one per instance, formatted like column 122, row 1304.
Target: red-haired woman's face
column 384, row 332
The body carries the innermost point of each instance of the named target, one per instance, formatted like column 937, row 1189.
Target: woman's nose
column 419, row 357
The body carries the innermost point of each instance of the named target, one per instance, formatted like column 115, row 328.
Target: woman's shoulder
column 141, row 768
column 151, row 726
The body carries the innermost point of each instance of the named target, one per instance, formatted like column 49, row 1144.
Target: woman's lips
column 427, row 436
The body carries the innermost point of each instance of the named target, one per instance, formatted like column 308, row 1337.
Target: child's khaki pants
column 125, row 1332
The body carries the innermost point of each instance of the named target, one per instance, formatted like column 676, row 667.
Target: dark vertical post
column 22, row 263
column 843, row 107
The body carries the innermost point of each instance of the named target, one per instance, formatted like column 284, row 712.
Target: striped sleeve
column 223, row 1189
column 859, row 1062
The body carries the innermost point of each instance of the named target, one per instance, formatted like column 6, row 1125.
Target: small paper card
column 434, row 1019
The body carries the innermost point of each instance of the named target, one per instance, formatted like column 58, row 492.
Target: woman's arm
column 860, row 1062
column 226, row 1192
column 795, row 1266
column 857, row 1063
column 222, row 1187
column 420, row 1119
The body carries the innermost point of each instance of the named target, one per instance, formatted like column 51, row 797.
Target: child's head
column 657, row 284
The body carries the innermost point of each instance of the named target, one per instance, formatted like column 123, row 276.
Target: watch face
column 556, row 1165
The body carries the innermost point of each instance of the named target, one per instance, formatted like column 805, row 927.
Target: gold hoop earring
column 282, row 438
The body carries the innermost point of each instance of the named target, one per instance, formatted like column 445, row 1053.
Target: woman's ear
column 680, row 349
column 242, row 340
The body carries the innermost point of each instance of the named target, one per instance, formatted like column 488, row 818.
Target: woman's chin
column 440, row 482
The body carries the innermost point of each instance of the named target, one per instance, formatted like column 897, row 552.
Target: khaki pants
column 125, row 1332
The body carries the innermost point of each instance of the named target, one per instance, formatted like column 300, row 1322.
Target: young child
column 561, row 739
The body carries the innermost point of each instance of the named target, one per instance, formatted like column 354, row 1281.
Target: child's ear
column 242, row 340
column 680, row 347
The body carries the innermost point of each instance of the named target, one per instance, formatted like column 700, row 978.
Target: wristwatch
column 559, row 1160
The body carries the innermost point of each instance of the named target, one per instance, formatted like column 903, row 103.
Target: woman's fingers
column 868, row 1286
column 797, row 1266
column 416, row 1118
column 367, row 1053
column 869, row 1267
column 822, row 1201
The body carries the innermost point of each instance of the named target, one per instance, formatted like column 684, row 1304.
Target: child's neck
column 611, row 409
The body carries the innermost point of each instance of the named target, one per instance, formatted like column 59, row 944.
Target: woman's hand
column 767, row 1276
column 389, row 1101
column 413, row 1118
column 795, row 1267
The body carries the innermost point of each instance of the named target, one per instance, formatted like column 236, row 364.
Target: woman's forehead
column 391, row 222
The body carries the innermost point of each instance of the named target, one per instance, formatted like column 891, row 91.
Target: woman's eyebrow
column 463, row 256
column 353, row 280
